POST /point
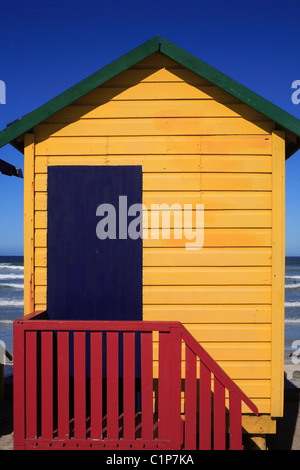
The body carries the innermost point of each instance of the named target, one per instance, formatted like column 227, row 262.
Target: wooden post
column 278, row 267
column 28, row 224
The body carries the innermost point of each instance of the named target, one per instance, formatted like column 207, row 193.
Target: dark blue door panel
column 88, row 277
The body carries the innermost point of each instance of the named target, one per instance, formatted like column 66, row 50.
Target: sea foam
column 11, row 276
column 11, row 303
column 11, row 266
column 12, row 285
column 292, row 286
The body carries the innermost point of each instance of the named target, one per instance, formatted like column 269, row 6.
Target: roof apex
column 191, row 62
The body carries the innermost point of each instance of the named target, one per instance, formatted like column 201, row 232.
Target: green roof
column 280, row 117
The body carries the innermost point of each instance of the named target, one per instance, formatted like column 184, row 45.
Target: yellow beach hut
column 167, row 129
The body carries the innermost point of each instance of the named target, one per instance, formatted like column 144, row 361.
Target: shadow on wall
column 284, row 439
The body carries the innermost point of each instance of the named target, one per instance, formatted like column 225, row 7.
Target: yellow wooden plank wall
column 197, row 144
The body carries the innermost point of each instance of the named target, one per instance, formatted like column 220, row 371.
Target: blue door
column 91, row 275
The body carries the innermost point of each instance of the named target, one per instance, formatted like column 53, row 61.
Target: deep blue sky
column 48, row 46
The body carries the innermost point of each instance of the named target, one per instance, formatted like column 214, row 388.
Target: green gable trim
column 30, row 120
column 179, row 55
column 229, row 85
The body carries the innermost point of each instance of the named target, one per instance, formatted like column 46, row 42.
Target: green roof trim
column 179, row 55
column 229, row 85
column 30, row 120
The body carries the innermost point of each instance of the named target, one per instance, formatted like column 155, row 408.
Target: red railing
column 118, row 385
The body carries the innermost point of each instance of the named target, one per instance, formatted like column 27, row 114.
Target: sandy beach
column 288, row 427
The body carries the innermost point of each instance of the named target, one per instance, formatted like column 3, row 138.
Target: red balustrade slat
column 235, row 410
column 129, row 385
column 112, row 385
column 96, row 385
column 47, row 384
column 31, row 385
column 26, row 381
column 175, row 389
column 79, row 386
column 147, row 385
column 190, row 399
column 163, row 385
column 205, row 408
column 219, row 416
column 215, row 368
column 63, row 384
column 19, row 385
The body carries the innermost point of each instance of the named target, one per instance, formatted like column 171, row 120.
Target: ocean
column 292, row 301
column 12, row 298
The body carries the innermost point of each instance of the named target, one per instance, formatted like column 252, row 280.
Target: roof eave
column 13, row 132
column 27, row 122
column 291, row 148
column 247, row 96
